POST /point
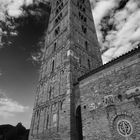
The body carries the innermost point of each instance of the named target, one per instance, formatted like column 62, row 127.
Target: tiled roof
column 112, row 62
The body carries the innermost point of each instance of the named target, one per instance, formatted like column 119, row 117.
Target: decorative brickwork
column 71, row 50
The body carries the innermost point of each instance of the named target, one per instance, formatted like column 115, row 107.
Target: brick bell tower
column 71, row 50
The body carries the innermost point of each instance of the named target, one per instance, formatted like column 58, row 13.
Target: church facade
column 79, row 98
column 110, row 100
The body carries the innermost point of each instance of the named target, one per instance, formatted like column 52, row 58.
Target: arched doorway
column 79, row 123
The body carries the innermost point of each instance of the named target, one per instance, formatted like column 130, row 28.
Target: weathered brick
column 69, row 53
column 113, row 91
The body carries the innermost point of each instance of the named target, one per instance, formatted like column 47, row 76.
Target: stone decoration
column 71, row 50
column 108, row 100
column 124, row 128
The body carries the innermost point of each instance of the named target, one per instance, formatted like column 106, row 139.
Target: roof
column 114, row 61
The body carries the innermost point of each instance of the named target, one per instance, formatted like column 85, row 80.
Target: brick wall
column 110, row 101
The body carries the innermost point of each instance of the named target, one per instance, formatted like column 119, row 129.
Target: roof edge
column 114, row 61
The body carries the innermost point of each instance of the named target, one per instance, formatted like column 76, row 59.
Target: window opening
column 54, row 49
column 57, row 30
column 85, row 19
column 79, row 123
column 50, row 92
column 59, row 7
column 82, row 17
column 52, row 66
column 47, row 123
column 58, row 2
column 84, row 29
column 61, row 105
column 81, row 6
column 58, row 18
column 86, row 45
column 88, row 63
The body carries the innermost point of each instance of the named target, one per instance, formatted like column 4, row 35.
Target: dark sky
column 19, row 70
column 18, row 73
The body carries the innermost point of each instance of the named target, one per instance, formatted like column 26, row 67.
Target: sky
column 117, row 24
column 118, row 30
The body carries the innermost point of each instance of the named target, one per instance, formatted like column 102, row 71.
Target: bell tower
column 70, row 51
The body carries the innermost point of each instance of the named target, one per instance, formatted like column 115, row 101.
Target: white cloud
column 13, row 7
column 28, row 2
column 107, row 56
column 132, row 5
column 127, row 33
column 135, row 36
column 102, row 8
column 9, row 108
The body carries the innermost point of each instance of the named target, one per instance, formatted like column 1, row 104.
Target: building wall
column 71, row 50
column 110, row 101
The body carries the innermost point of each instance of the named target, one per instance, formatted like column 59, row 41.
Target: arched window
column 54, row 49
column 59, row 6
column 47, row 122
column 89, row 64
column 84, row 29
column 58, row 2
column 50, row 92
column 79, row 123
column 52, row 70
column 86, row 45
column 56, row 31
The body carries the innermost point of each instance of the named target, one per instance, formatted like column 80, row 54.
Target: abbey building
column 79, row 98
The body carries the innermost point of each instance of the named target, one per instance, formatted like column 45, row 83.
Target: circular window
column 124, row 128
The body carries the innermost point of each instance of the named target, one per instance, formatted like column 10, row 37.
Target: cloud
column 124, row 17
column 13, row 7
column 8, row 107
column 101, row 9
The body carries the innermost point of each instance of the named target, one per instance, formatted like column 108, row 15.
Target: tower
column 71, row 50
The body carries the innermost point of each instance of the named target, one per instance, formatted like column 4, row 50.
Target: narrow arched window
column 89, row 64
column 47, row 122
column 52, row 70
column 79, row 123
column 86, row 45
column 54, row 49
